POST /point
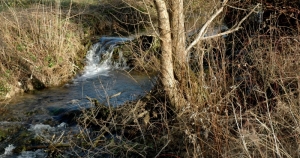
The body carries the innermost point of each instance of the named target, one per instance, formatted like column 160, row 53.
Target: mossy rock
column 3, row 134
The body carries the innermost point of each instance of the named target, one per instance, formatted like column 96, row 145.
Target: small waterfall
column 99, row 57
column 64, row 104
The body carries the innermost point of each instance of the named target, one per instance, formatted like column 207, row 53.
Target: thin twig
column 162, row 148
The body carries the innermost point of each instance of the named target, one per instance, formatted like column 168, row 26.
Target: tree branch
column 205, row 26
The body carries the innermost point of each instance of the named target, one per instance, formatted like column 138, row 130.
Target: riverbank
column 43, row 44
column 243, row 92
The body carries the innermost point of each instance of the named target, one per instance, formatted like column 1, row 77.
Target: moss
column 4, row 89
column 3, row 134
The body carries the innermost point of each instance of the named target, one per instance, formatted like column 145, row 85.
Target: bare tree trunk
column 177, row 30
column 175, row 75
column 178, row 43
column 167, row 69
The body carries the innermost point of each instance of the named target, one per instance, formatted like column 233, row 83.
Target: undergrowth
column 244, row 88
column 245, row 102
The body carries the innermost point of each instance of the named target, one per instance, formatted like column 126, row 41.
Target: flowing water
column 101, row 79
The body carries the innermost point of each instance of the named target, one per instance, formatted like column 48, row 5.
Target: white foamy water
column 33, row 154
column 8, row 151
column 93, row 65
column 42, row 128
column 98, row 58
column 24, row 154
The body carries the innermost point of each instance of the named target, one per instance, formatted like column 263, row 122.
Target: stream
column 39, row 111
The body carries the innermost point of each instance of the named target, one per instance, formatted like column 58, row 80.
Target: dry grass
column 41, row 45
column 40, row 36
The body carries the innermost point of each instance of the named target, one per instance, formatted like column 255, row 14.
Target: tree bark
column 178, row 31
column 167, row 69
column 175, row 75
column 178, row 42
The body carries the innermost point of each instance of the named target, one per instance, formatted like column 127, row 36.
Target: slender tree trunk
column 178, row 31
column 175, row 74
column 178, row 42
column 167, row 69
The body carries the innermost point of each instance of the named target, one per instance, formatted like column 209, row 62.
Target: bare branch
column 236, row 8
column 150, row 19
column 205, row 26
column 233, row 29
column 135, row 8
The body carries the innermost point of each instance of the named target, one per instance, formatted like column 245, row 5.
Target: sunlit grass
column 39, row 44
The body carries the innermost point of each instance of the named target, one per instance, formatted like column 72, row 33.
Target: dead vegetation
column 40, row 47
column 43, row 43
column 245, row 90
column 245, row 99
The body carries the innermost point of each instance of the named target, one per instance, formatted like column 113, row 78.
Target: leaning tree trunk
column 167, row 70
